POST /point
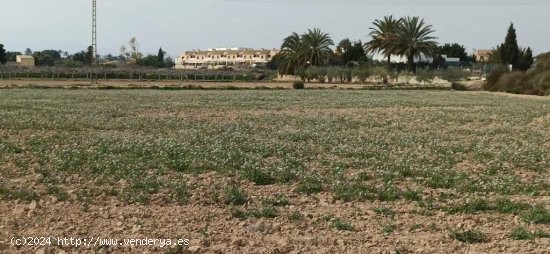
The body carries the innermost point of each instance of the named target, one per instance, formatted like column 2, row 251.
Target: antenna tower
column 94, row 43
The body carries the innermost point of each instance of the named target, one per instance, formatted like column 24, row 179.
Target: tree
column 169, row 62
column 384, row 37
column 148, row 61
column 350, row 51
column 134, row 50
column 160, row 59
column 3, row 57
column 290, row 54
column 509, row 49
column 311, row 48
column 316, row 47
column 525, row 59
column 134, row 47
column 46, row 57
column 453, row 50
column 28, row 52
column 414, row 40
column 12, row 56
column 89, row 60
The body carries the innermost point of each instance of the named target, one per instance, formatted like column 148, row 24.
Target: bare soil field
column 273, row 171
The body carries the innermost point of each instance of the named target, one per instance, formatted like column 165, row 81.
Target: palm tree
column 312, row 48
column 290, row 54
column 414, row 40
column 384, row 36
column 316, row 47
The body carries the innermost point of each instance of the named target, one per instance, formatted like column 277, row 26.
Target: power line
column 401, row 2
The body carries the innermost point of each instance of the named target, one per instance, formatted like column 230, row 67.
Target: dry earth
column 212, row 228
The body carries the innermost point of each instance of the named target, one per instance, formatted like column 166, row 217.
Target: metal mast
column 94, row 42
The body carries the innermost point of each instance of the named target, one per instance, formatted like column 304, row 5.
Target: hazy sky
column 179, row 25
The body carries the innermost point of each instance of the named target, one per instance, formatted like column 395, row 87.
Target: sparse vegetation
column 389, row 160
column 469, row 236
column 234, row 195
column 342, row 225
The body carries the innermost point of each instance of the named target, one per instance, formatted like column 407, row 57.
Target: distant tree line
column 84, row 58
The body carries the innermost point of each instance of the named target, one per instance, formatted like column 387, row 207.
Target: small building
column 24, row 60
column 451, row 61
column 482, row 55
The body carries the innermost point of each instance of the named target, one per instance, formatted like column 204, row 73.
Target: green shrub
column 541, row 83
column 513, row 82
column 452, row 74
column 380, row 74
column 361, row 73
column 298, row 84
column 493, row 77
column 425, row 75
column 458, row 87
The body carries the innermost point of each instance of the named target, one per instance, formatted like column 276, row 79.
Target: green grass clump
column 415, row 226
column 259, row 177
column 469, row 236
column 383, row 211
column 412, row 195
column 472, row 207
column 388, row 227
column 508, row 206
column 234, row 195
column 520, row 233
column 181, row 193
column 481, row 205
column 295, row 216
column 59, row 193
column 278, row 200
column 310, row 185
column 342, row 225
column 537, row 215
column 348, row 191
column 18, row 194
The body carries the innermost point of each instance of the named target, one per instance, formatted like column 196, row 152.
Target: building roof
column 232, row 51
column 483, row 52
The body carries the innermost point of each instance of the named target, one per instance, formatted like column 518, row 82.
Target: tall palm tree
column 290, row 54
column 415, row 40
column 312, row 48
column 384, row 36
column 316, row 47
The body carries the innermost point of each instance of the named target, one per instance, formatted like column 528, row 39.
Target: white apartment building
column 217, row 58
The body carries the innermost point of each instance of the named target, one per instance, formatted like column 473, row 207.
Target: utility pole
column 94, row 43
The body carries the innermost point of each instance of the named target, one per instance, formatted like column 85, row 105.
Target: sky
column 179, row 25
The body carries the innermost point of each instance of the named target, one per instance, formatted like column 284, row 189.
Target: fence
column 131, row 74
